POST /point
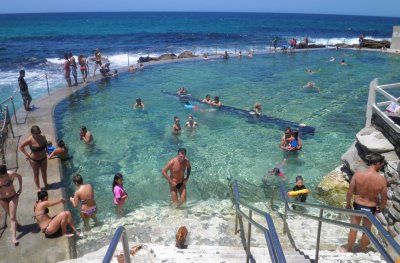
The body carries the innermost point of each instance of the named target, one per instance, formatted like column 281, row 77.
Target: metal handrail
column 271, row 236
column 320, row 219
column 120, row 232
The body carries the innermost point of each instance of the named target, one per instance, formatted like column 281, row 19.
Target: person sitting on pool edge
column 139, row 104
column 216, row 102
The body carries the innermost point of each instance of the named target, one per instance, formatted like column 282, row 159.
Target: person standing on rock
column 366, row 186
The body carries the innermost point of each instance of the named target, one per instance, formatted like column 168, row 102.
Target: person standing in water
column 176, row 179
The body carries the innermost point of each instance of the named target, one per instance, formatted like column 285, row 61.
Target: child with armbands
column 299, row 186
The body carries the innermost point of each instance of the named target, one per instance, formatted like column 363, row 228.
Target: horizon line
column 232, row 12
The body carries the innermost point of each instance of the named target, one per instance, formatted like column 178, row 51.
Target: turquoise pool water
column 139, row 143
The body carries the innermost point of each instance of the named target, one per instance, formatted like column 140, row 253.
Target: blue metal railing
column 120, row 232
column 320, row 219
column 271, row 236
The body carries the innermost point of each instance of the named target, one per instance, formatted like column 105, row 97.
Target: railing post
column 284, row 220
column 9, row 121
column 128, row 60
column 371, row 102
column 249, row 237
column 47, row 83
column 15, row 113
column 236, row 223
column 321, row 214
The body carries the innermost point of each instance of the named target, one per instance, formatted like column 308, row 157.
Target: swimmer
column 216, row 102
column 139, row 104
column 342, row 62
column 311, row 85
column 115, row 73
column 278, row 170
column 239, row 54
column 176, row 127
column 191, row 123
column 250, row 54
column 257, row 108
column 205, row 57
column 225, row 56
column 332, row 59
column 207, row 100
column 85, row 135
column 310, row 71
column 182, row 91
column 132, row 68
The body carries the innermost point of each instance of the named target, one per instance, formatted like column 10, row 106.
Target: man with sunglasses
column 366, row 186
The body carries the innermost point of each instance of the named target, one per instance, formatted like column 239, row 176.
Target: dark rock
column 352, row 159
column 146, row 59
column 375, row 44
column 186, row 54
column 396, row 194
column 167, row 57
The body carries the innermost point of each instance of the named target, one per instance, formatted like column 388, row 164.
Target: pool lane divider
column 264, row 119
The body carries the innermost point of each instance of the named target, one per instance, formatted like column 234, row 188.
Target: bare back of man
column 366, row 186
column 176, row 178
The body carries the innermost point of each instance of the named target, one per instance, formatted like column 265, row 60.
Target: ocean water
column 138, row 143
column 37, row 42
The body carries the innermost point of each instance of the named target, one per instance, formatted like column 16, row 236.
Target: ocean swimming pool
column 139, row 143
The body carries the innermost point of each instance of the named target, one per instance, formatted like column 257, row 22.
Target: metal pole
column 125, row 245
column 15, row 113
column 284, row 220
column 128, row 60
column 236, row 223
column 248, row 238
column 321, row 213
column 47, row 82
column 9, row 121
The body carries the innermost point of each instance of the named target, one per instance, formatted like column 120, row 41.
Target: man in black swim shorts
column 177, row 182
column 23, row 88
column 366, row 186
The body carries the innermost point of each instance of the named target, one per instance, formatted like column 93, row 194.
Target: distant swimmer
column 85, row 135
column 207, row 100
column 239, row 54
column 182, row 91
column 278, row 170
column 332, row 59
column 132, row 68
column 176, row 127
column 216, row 102
column 257, row 108
column 311, row 85
column 310, row 71
column 205, row 57
column 250, row 54
column 138, row 104
column 343, row 62
column 225, row 56
column 191, row 123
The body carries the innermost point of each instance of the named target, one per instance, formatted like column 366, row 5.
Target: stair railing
column 120, row 232
column 320, row 219
column 271, row 236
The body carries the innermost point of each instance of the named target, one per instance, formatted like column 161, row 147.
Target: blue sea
column 37, row 42
column 139, row 143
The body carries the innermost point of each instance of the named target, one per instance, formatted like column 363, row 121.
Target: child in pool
column 299, row 186
column 278, row 170
column 50, row 147
column 120, row 196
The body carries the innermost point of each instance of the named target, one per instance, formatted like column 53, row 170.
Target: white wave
column 57, row 61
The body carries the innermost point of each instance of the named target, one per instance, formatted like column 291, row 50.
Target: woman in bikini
column 38, row 156
column 52, row 225
column 85, row 195
column 61, row 151
column 9, row 197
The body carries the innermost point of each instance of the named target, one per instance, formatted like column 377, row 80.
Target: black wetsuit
column 23, row 88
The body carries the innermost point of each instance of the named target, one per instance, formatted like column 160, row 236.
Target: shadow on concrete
column 26, row 229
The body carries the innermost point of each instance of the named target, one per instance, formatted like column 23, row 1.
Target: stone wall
column 368, row 140
column 395, row 38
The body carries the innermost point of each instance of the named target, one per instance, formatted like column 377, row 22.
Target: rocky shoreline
column 333, row 187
